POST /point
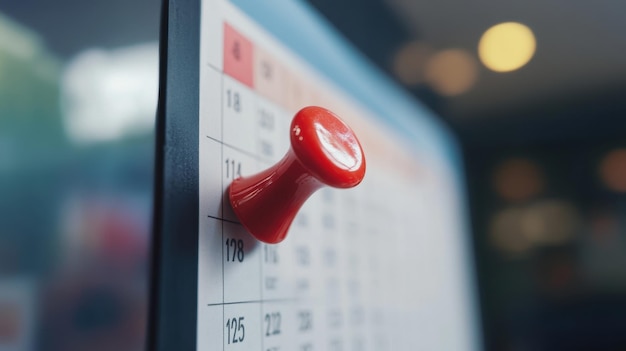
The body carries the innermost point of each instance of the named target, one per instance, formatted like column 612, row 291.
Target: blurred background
column 78, row 95
column 534, row 90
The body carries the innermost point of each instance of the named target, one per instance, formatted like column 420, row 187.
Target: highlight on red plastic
column 324, row 152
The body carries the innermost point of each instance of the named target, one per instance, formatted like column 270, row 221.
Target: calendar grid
column 224, row 219
column 333, row 284
column 251, row 154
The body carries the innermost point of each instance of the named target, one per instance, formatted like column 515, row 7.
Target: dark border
column 174, row 262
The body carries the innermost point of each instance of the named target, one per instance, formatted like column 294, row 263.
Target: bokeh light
column 550, row 222
column 451, row 72
column 506, row 46
column 517, row 229
column 518, row 179
column 613, row 170
column 105, row 93
column 409, row 62
column 506, row 232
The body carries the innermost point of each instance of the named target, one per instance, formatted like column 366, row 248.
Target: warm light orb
column 613, row 170
column 451, row 72
column 506, row 46
column 409, row 61
column 518, row 179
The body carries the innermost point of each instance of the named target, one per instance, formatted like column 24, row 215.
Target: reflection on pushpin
column 324, row 151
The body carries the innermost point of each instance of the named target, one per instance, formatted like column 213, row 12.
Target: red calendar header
column 238, row 56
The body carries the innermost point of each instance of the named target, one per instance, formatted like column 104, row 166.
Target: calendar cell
column 242, row 265
column 235, row 163
column 272, row 131
column 239, row 110
column 277, row 281
column 297, row 94
column 210, row 183
column 269, row 76
column 242, row 326
column 238, row 56
column 209, row 328
column 211, row 101
column 210, row 265
column 278, row 325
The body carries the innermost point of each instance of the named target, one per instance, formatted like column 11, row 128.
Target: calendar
column 382, row 266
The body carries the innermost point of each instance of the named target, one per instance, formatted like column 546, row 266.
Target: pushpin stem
column 276, row 194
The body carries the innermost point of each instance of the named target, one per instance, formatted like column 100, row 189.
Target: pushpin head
column 327, row 147
column 324, row 151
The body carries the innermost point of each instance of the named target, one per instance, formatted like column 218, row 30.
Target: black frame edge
column 174, row 252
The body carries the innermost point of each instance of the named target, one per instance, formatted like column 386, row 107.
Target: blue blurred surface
column 76, row 170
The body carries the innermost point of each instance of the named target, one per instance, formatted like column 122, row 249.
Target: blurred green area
column 32, row 146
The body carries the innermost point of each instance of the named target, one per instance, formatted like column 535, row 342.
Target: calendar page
column 382, row 266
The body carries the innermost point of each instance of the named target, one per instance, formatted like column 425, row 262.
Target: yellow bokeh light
column 506, row 46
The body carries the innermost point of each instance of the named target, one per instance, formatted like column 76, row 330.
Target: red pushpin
column 324, row 151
